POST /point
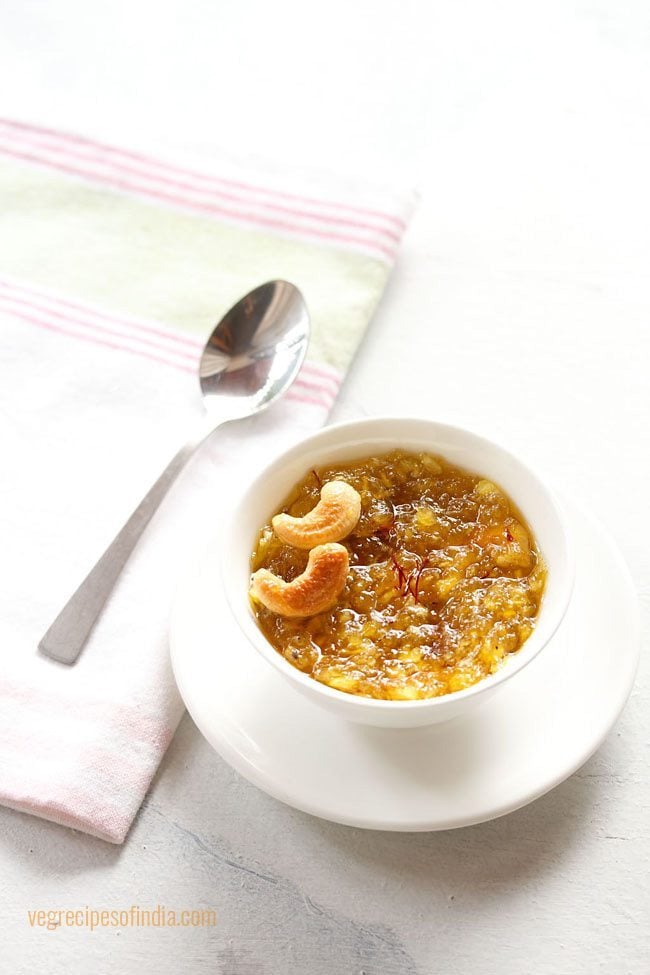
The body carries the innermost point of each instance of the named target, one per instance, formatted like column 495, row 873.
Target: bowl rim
column 254, row 634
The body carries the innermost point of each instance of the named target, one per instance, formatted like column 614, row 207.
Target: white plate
column 525, row 740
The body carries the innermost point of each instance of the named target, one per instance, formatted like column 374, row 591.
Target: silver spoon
column 251, row 358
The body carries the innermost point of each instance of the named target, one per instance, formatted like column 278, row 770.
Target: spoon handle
column 68, row 633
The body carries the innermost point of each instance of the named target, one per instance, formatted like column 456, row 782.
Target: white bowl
column 348, row 441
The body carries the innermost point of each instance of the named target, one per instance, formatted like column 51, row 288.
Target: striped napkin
column 114, row 267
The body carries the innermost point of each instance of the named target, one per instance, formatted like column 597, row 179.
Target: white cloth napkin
column 113, row 267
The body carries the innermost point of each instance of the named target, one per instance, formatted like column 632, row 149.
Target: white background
column 520, row 307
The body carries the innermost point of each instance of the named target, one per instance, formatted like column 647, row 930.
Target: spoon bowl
column 255, row 352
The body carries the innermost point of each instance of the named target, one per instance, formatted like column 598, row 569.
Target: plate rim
column 243, row 766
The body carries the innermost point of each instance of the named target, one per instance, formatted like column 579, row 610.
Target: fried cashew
column 334, row 517
column 316, row 590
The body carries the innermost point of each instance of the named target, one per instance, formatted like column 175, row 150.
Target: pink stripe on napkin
column 371, row 232
column 71, row 143
column 45, row 311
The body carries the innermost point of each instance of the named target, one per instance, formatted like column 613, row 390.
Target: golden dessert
column 422, row 577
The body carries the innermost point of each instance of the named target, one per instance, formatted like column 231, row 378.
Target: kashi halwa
column 444, row 581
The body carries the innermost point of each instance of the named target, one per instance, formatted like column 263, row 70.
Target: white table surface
column 523, row 280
